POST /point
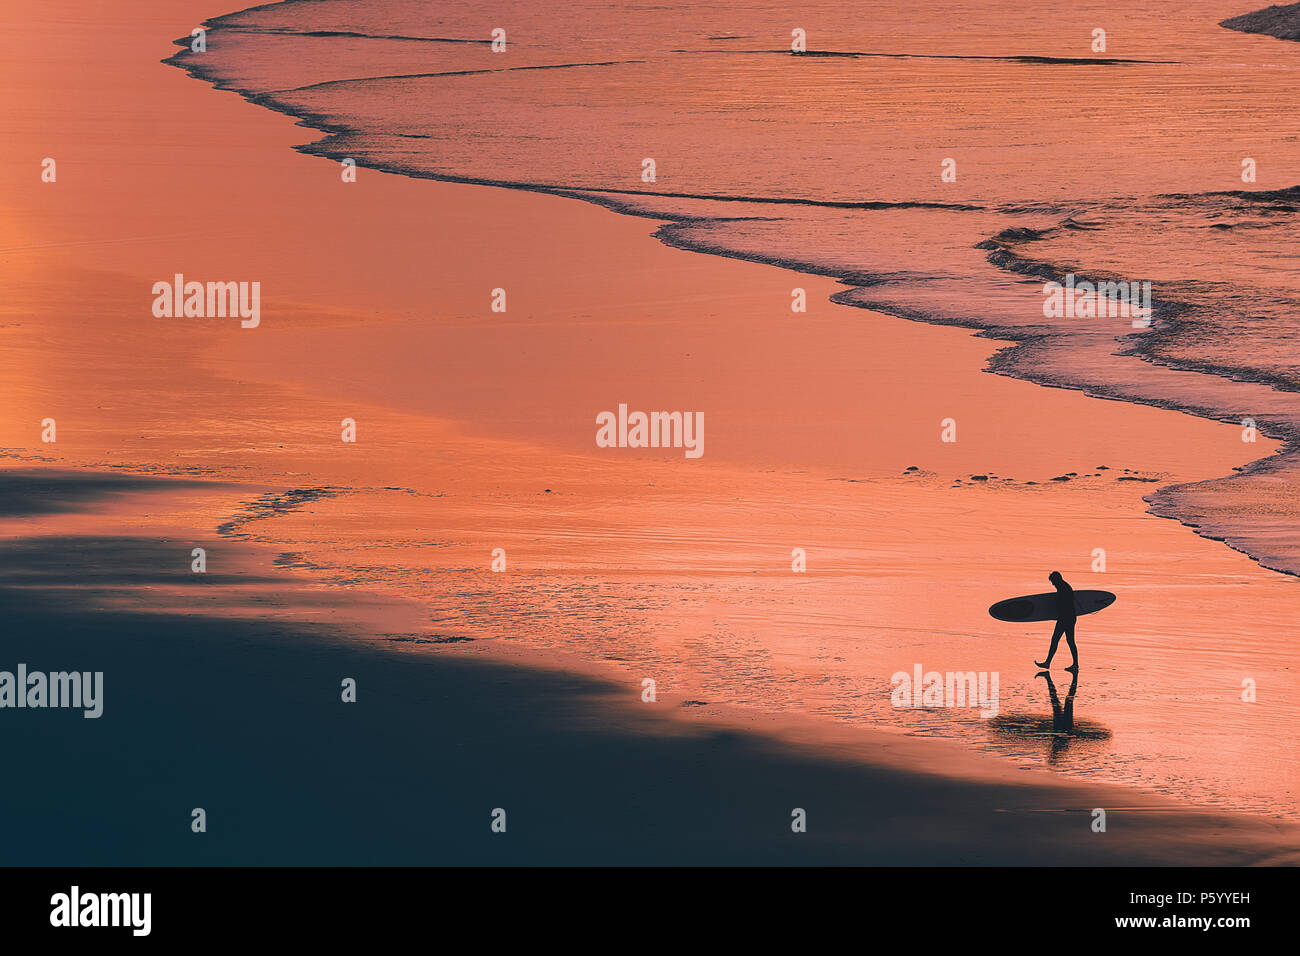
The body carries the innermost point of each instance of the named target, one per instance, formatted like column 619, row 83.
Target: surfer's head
column 1055, row 577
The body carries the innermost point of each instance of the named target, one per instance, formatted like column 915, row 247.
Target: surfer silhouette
column 1065, row 620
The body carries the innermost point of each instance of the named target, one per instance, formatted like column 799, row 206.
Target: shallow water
column 1122, row 164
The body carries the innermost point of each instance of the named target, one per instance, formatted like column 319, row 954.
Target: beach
column 412, row 773
column 475, row 431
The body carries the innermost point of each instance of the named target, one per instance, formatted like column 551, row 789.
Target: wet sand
column 476, row 432
column 212, row 702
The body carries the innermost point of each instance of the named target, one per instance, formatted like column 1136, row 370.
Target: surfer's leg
column 1056, row 639
column 1069, row 639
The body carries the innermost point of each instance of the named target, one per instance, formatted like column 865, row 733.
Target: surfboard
column 1042, row 607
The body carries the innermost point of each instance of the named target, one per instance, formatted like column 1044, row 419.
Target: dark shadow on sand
column 35, row 491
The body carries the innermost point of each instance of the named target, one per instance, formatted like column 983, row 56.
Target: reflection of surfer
column 1062, row 717
column 1065, row 618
